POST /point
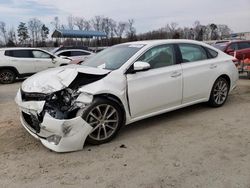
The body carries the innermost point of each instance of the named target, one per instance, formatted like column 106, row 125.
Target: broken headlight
column 60, row 104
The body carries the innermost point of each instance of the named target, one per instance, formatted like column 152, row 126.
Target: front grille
column 32, row 121
column 33, row 96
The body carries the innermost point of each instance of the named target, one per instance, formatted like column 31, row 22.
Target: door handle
column 213, row 66
column 175, row 74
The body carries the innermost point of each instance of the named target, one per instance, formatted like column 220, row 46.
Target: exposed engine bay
column 62, row 104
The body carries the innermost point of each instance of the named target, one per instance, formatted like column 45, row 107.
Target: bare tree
column 12, row 36
column 35, row 26
column 97, row 23
column 87, row 25
column 131, row 31
column 56, row 23
column 120, row 29
column 79, row 22
column 71, row 22
column 3, row 31
column 223, row 31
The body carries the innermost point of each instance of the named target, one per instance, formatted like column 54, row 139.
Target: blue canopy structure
column 61, row 33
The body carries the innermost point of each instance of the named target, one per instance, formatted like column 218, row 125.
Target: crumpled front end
column 56, row 125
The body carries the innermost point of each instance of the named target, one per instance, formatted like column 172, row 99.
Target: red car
column 240, row 50
column 241, row 47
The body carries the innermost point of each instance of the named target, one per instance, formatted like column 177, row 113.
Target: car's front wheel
column 219, row 92
column 106, row 118
column 7, row 76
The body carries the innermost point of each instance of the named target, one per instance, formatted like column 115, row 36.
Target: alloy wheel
column 6, row 77
column 220, row 92
column 104, row 119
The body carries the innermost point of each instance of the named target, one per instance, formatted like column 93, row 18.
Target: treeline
column 36, row 33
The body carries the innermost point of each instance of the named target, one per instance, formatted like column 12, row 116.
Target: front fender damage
column 73, row 133
column 60, row 135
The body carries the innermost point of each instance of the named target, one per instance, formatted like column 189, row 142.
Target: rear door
column 198, row 72
column 22, row 60
column 42, row 60
column 158, row 88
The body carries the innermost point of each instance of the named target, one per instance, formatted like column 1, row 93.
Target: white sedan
column 74, row 54
column 68, row 106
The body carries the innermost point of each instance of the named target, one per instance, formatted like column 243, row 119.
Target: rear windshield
column 221, row 46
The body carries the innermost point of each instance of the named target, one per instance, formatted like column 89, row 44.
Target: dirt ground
column 195, row 147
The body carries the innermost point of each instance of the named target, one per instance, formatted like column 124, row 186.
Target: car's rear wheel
column 7, row 76
column 219, row 92
column 106, row 118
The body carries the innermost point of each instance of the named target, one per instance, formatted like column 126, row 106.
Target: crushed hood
column 55, row 79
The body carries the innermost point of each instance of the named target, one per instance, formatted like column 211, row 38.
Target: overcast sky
column 148, row 14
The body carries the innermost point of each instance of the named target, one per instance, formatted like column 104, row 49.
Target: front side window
column 233, row 47
column 67, row 54
column 79, row 53
column 192, row 52
column 40, row 54
column 160, row 56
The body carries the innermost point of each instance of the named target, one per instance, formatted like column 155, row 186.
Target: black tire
column 7, row 76
column 103, row 125
column 219, row 93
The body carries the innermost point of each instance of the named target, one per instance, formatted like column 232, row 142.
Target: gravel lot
column 193, row 147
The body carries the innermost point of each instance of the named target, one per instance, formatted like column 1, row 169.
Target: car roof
column 69, row 50
column 170, row 41
column 21, row 48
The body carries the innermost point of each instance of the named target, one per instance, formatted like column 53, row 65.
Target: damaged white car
column 67, row 106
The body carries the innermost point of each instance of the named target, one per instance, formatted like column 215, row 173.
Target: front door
column 158, row 88
column 42, row 60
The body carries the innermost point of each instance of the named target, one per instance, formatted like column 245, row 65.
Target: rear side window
column 192, row 52
column 212, row 53
column 67, row 53
column 18, row 53
column 243, row 45
column 79, row 53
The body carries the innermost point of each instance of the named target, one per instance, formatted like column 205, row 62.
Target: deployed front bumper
column 58, row 135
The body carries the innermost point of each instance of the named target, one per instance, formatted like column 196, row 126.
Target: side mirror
column 141, row 66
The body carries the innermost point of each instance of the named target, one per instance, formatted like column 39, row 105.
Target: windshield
column 220, row 46
column 114, row 57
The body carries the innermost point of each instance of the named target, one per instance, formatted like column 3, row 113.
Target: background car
column 241, row 51
column 241, row 46
column 23, row 62
column 125, row 83
column 74, row 54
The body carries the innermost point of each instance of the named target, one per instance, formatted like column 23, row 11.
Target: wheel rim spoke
column 106, row 111
column 111, row 113
column 110, row 127
column 99, row 133
column 94, row 129
column 110, row 121
column 94, row 116
column 105, row 131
